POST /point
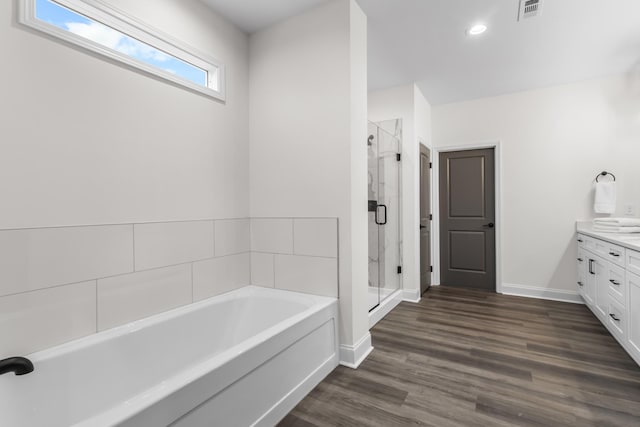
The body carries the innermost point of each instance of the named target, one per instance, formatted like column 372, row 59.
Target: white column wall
column 308, row 136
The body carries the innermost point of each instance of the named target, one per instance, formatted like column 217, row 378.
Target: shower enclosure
column 385, row 265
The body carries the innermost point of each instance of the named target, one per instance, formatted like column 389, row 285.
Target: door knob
column 422, row 226
column 490, row 225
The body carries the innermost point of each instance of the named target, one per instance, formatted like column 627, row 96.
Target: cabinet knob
column 580, row 259
column 580, row 240
column 580, row 284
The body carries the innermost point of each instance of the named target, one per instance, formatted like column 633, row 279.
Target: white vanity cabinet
column 633, row 324
column 609, row 283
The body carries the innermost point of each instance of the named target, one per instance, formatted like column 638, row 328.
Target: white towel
column 614, row 229
column 617, row 222
column 605, row 200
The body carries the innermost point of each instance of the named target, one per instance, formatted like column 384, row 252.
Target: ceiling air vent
column 529, row 9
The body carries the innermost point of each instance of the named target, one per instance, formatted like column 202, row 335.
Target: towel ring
column 605, row 173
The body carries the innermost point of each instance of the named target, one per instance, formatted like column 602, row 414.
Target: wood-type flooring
column 470, row 358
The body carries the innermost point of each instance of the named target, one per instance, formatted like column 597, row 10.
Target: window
column 92, row 25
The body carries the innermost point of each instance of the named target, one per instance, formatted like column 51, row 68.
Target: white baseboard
column 542, row 293
column 385, row 307
column 411, row 295
column 352, row 356
column 276, row 413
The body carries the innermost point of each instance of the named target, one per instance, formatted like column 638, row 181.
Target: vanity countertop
column 627, row 240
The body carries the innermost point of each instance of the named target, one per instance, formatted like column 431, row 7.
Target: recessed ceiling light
column 477, row 30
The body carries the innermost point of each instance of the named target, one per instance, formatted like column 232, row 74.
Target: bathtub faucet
column 17, row 365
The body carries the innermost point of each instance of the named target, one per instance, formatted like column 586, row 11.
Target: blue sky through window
column 61, row 17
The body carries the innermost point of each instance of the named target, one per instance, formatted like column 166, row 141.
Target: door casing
column 435, row 205
column 427, row 263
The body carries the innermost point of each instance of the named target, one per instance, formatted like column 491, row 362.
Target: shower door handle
column 385, row 214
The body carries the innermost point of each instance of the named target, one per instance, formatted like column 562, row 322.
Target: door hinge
column 430, row 165
column 430, row 217
column 431, row 268
column 399, row 269
column 398, row 156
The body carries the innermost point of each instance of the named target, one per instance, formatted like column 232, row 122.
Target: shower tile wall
column 80, row 280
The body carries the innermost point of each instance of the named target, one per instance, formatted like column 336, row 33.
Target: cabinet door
column 589, row 290
column 633, row 315
column 600, row 280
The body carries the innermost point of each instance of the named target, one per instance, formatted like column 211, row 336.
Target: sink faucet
column 17, row 365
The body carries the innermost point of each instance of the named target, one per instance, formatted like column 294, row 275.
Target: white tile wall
column 262, row 273
column 34, row 321
column 220, row 275
column 313, row 275
column 272, row 235
column 39, row 258
column 135, row 296
column 63, row 283
column 171, row 243
column 316, row 237
column 232, row 236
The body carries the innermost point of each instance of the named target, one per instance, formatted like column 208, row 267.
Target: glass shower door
column 384, row 214
column 374, row 260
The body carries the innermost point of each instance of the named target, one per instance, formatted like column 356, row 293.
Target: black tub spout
column 17, row 365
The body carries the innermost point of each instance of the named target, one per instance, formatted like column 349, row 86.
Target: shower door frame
column 400, row 212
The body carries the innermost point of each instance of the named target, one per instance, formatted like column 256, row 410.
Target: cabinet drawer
column 617, row 284
column 614, row 253
column 617, row 321
column 633, row 261
column 586, row 242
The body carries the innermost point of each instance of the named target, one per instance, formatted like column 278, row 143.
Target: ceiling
column 425, row 41
column 255, row 15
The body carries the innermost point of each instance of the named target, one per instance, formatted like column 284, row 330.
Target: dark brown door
column 467, row 219
column 425, row 218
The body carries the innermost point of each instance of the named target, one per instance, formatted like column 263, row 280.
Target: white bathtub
column 239, row 359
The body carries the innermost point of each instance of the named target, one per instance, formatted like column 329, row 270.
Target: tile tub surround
column 295, row 254
column 81, row 280
column 61, row 283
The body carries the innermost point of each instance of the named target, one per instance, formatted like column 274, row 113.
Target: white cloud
column 115, row 40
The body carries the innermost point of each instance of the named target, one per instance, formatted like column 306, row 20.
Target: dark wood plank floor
column 469, row 358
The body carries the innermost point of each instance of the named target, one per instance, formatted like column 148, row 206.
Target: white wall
column 88, row 141
column 407, row 103
column 85, row 141
column 308, row 127
column 554, row 141
column 423, row 125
